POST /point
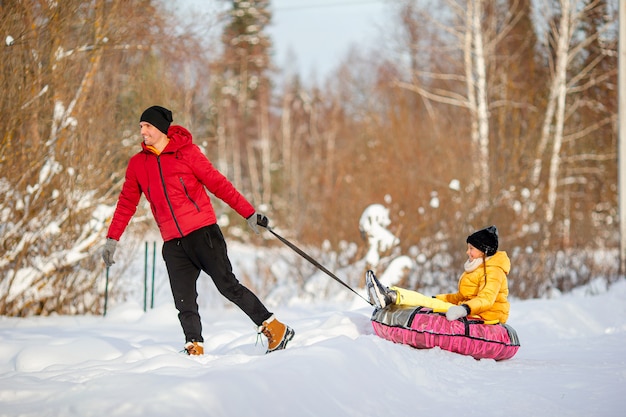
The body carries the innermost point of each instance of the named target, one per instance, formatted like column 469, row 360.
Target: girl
column 483, row 287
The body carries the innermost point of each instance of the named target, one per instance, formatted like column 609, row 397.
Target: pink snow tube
column 423, row 329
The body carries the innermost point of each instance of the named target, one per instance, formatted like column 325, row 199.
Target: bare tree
column 69, row 71
column 475, row 31
column 568, row 18
column 244, row 97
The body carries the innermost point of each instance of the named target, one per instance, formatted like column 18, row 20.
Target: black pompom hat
column 485, row 240
column 157, row 116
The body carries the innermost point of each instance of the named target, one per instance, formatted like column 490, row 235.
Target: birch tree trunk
column 482, row 116
column 468, row 60
column 471, row 43
column 552, row 129
column 561, row 86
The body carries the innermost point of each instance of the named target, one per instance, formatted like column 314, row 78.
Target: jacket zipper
column 187, row 194
column 167, row 198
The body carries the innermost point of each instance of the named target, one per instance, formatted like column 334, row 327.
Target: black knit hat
column 157, row 116
column 485, row 240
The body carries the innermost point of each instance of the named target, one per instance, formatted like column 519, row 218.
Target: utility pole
column 621, row 132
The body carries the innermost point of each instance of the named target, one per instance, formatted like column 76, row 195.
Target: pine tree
column 244, row 97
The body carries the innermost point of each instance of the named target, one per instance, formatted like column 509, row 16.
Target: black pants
column 205, row 250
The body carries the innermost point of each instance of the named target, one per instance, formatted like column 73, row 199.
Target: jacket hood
column 179, row 137
column 501, row 260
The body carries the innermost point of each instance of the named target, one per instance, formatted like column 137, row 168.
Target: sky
column 312, row 36
column 320, row 32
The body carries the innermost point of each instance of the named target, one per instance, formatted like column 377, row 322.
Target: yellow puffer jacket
column 486, row 295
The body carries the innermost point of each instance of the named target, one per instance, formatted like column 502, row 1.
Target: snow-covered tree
column 68, row 99
column 242, row 98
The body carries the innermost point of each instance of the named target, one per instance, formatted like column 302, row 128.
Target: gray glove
column 257, row 220
column 108, row 251
column 456, row 312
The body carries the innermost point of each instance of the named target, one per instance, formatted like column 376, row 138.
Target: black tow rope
column 314, row 262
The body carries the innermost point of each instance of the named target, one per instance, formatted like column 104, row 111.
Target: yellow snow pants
column 414, row 299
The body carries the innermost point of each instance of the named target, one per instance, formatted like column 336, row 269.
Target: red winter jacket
column 174, row 184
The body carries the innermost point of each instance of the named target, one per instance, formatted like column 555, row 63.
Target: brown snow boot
column 278, row 334
column 194, row 348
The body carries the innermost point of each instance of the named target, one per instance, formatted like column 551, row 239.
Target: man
column 172, row 173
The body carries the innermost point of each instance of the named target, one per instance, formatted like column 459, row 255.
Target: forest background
column 468, row 113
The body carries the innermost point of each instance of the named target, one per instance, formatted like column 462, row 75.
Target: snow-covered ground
column 128, row 363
